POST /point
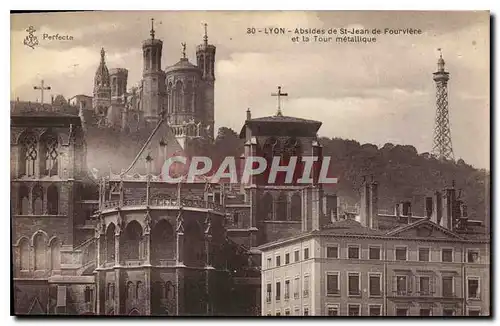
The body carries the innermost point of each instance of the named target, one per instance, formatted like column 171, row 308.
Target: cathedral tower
column 118, row 78
column 102, row 90
column 205, row 57
column 153, row 78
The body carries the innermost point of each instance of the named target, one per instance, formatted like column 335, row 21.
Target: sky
column 376, row 93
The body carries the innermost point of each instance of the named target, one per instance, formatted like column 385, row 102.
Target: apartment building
column 346, row 268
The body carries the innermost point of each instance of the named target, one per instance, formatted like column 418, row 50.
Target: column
column 100, row 293
column 147, row 292
column 118, row 286
column 180, row 248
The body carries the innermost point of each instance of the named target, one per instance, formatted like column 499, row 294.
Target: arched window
column 24, row 253
column 50, row 150
column 163, row 243
column 266, row 207
column 55, row 255
column 193, row 253
column 40, row 244
column 281, row 207
column 179, row 96
column 111, row 291
column 296, row 207
column 29, row 155
column 23, row 207
column 110, row 243
column 188, row 97
column 130, row 290
column 52, row 200
column 131, row 241
column 37, row 194
column 139, row 291
column 169, row 288
column 87, row 294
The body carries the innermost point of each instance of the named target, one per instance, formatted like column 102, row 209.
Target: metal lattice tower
column 442, row 147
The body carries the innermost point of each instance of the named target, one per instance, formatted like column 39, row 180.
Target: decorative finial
column 440, row 61
column 103, row 53
column 152, row 32
column 205, row 37
column 183, row 50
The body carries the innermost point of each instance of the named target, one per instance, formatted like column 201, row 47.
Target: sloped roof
column 348, row 227
column 400, row 229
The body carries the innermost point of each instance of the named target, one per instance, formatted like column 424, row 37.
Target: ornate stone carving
column 148, row 223
column 120, row 224
column 208, row 224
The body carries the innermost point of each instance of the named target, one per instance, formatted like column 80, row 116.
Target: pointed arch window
column 24, row 253
column 88, row 294
column 50, row 151
column 52, row 200
column 296, row 207
column 139, row 290
column 40, row 252
column 23, row 207
column 188, row 97
column 130, row 290
column 29, row 155
column 55, row 255
column 37, row 196
column 178, row 98
column 266, row 207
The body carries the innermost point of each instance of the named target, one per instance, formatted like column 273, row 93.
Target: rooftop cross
column 42, row 88
column 205, row 37
column 279, row 95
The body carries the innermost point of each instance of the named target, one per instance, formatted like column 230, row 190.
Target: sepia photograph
column 250, row 164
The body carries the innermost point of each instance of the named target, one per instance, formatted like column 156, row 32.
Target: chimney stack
column 428, row 209
column 369, row 204
column 437, row 208
column 249, row 114
column 448, row 205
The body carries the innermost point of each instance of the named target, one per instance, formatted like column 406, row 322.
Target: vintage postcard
column 250, row 163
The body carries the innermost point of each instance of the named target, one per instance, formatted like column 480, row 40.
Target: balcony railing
column 194, row 203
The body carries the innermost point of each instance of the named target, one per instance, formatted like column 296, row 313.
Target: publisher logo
column 31, row 40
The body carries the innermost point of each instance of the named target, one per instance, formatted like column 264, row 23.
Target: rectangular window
column 447, row 255
column 333, row 310
column 423, row 254
column 268, row 293
column 401, row 311
column 287, row 258
column 424, row 287
column 447, row 285
column 425, row 312
column 306, row 253
column 472, row 256
column 278, row 291
column 278, row 313
column 401, row 285
column 353, row 280
column 474, row 312
column 306, row 311
column 448, row 312
column 332, row 284
column 353, row 252
column 306, row 286
column 375, row 285
column 296, row 288
column 353, row 309
column 296, row 311
column 374, row 253
column 375, row 310
column 287, row 289
column 473, row 288
column 287, row 312
column 332, row 252
column 401, row 253
column 297, row 253
column 269, row 263
column 278, row 261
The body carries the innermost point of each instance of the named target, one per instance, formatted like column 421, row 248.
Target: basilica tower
column 102, row 90
column 153, row 78
column 205, row 57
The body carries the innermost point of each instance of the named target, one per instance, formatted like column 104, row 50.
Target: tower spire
column 103, row 53
column 152, row 32
column 442, row 147
column 205, row 37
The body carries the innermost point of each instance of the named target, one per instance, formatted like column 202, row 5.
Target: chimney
column 428, row 207
column 397, row 211
column 448, row 204
column 406, row 208
column 373, row 211
column 51, row 99
column 314, row 218
column 364, row 212
column 437, row 208
column 249, row 114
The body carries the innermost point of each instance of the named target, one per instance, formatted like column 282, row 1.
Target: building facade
column 347, row 268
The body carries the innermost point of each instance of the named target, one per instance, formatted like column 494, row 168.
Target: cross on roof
column 152, row 33
column 279, row 95
column 42, row 88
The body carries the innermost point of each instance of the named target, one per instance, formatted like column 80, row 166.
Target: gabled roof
column 424, row 222
column 349, row 227
column 281, row 119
